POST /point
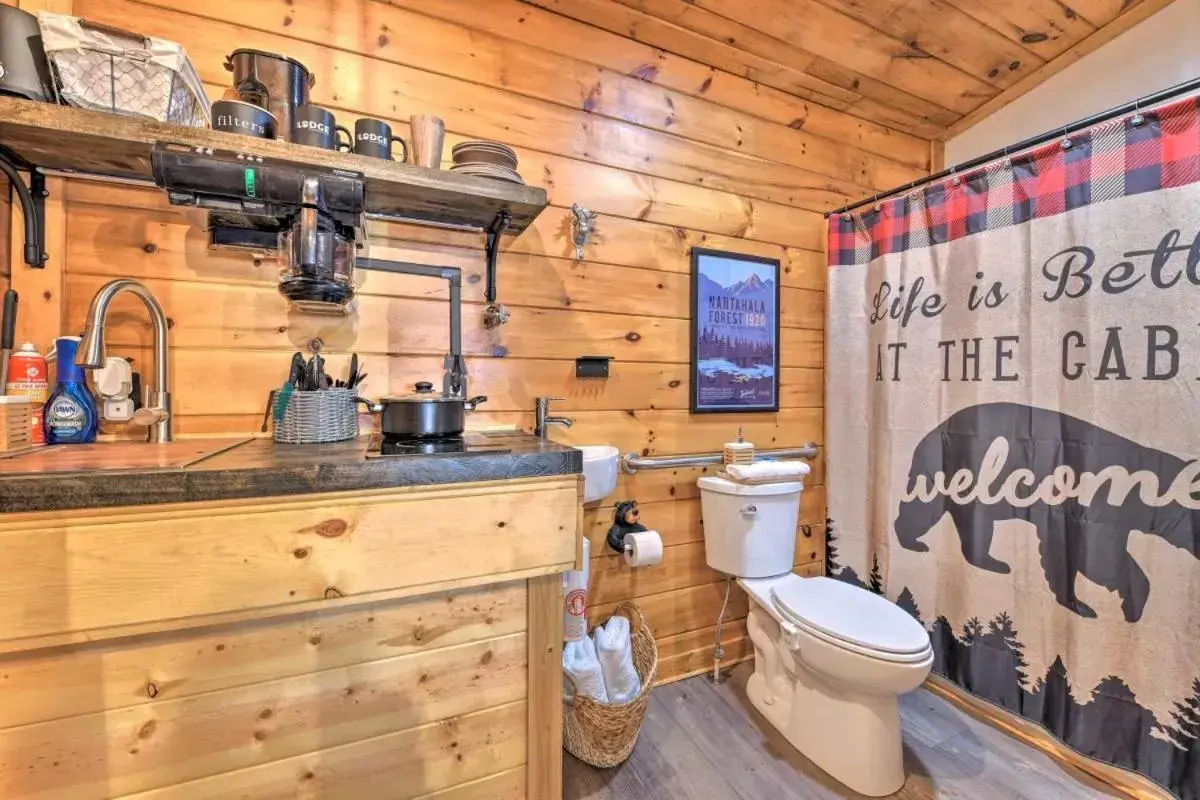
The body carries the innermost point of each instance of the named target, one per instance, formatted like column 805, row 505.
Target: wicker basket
column 328, row 415
column 603, row 735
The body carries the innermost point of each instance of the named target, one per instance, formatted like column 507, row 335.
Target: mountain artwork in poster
column 735, row 332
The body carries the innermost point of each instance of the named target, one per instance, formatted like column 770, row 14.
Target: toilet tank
column 750, row 531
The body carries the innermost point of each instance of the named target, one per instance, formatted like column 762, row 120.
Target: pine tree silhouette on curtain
column 846, row 574
column 1186, row 715
column 1113, row 726
column 1185, row 734
column 945, row 648
column 965, row 676
column 1059, row 708
column 831, row 565
column 907, row 602
column 876, row 577
column 1033, row 700
column 998, row 663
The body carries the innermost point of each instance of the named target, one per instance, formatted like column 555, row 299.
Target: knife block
column 15, row 431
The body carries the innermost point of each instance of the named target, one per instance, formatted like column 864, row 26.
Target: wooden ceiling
column 929, row 67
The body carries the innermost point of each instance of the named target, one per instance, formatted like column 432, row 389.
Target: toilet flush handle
column 750, row 510
column 791, row 635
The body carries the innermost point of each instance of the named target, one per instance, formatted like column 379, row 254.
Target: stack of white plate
column 486, row 160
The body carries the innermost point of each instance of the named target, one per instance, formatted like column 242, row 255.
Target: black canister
column 24, row 71
column 271, row 81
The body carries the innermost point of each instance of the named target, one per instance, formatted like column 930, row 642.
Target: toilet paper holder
column 625, row 520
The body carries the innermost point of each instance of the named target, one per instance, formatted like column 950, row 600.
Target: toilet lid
column 850, row 614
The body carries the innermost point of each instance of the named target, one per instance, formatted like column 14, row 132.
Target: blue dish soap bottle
column 70, row 416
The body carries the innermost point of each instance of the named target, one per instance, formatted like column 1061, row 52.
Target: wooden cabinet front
column 385, row 644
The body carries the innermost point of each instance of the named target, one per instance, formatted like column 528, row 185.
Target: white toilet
column 830, row 659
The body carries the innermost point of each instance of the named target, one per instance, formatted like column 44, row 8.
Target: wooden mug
column 428, row 134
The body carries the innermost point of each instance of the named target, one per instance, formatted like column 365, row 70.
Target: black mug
column 373, row 138
column 314, row 126
column 234, row 116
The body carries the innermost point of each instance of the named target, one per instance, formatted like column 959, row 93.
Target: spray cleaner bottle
column 70, row 416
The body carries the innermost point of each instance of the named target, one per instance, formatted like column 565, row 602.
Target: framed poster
column 735, row 332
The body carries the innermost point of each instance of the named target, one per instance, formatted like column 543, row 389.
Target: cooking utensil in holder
column 320, row 417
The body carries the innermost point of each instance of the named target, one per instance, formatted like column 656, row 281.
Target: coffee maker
column 308, row 216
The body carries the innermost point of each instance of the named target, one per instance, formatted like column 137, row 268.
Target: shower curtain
column 1013, row 431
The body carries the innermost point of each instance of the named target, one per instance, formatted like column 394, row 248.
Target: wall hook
column 582, row 222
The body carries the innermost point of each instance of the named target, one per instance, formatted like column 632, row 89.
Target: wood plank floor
column 702, row 742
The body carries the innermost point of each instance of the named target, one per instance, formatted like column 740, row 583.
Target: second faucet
column 543, row 420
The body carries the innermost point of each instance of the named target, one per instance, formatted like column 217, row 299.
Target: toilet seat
column 844, row 616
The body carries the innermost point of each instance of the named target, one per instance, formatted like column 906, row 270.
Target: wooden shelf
column 72, row 139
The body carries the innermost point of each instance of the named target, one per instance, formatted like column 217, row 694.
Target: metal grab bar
column 632, row 462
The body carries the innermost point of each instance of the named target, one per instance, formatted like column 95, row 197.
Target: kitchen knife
column 319, row 373
column 296, row 372
column 8, row 327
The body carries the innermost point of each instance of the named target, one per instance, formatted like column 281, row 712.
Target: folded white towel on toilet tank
column 581, row 663
column 614, row 646
column 767, row 470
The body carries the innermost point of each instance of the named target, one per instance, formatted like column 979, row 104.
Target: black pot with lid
column 424, row 414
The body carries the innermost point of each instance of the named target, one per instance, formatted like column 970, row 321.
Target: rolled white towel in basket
column 581, row 663
column 614, row 646
column 768, row 470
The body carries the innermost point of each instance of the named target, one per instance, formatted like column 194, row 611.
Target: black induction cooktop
column 468, row 444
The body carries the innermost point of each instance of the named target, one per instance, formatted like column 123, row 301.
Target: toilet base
column 849, row 733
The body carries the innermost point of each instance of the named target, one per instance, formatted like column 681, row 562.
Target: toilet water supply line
column 718, row 650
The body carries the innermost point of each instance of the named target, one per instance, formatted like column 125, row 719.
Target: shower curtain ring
column 1066, row 142
column 1138, row 119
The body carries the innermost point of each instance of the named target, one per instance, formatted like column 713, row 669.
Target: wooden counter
column 399, row 643
column 138, row 473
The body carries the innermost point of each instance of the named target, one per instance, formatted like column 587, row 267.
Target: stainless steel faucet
column 91, row 351
column 543, row 420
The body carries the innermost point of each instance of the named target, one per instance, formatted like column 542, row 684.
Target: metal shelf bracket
column 496, row 314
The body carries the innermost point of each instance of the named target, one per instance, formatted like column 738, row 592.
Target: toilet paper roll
column 643, row 549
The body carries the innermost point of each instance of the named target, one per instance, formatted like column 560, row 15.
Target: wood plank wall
column 670, row 152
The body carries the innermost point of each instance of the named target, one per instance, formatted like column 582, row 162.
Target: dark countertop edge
column 25, row 493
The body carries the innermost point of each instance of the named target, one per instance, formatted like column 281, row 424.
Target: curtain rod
column 1033, row 141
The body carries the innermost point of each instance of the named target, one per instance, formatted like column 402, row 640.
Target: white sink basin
column 599, row 471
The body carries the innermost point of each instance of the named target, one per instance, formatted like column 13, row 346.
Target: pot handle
column 372, row 408
column 475, row 402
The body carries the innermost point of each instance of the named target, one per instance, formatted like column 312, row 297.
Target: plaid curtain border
column 1113, row 159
